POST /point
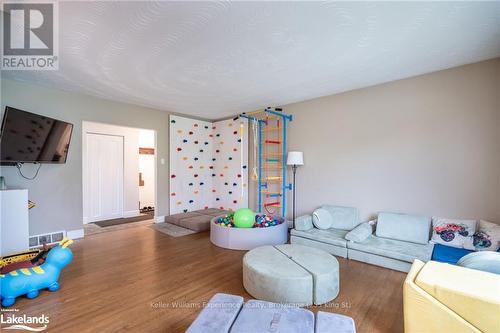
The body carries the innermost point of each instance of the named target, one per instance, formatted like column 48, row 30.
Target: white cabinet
column 14, row 225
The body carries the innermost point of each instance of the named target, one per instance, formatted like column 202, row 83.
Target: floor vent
column 39, row 240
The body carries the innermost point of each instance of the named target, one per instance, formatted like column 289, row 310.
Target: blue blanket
column 448, row 254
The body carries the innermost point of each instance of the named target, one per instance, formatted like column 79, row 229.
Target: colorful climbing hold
column 179, row 149
column 172, row 121
column 173, row 176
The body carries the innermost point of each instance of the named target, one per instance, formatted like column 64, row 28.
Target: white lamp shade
column 295, row 158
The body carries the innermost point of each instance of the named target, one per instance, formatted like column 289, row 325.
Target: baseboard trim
column 75, row 234
column 159, row 219
column 131, row 213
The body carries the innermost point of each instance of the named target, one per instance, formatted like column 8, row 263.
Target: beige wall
column 426, row 145
column 57, row 190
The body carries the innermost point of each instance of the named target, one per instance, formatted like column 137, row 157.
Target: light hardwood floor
column 141, row 280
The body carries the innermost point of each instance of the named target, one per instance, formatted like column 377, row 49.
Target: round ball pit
column 247, row 238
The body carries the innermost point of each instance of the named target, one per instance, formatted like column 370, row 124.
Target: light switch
column 162, row 161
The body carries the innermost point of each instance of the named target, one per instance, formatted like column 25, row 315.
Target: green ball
column 244, row 218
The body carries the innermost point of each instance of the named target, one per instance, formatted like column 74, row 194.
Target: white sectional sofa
column 395, row 241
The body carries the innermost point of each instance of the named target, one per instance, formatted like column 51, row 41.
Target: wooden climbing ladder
column 272, row 185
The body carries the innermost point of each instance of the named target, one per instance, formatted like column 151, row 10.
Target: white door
column 103, row 179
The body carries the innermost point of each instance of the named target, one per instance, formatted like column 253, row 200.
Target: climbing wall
column 190, row 160
column 230, row 159
column 208, row 164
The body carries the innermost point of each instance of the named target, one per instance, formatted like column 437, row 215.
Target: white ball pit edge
column 247, row 238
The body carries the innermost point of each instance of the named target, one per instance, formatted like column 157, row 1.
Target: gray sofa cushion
column 395, row 249
column 403, row 227
column 345, row 218
column 329, row 236
column 360, row 233
column 303, row 223
column 176, row 218
column 218, row 316
column 196, row 223
column 262, row 316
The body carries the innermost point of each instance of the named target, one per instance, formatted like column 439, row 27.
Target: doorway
column 119, row 176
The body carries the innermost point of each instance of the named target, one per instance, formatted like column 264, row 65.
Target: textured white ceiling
column 215, row 59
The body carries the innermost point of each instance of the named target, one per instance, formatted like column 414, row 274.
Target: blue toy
column 29, row 281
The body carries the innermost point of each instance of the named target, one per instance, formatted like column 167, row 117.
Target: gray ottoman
column 291, row 274
column 260, row 316
column 222, row 315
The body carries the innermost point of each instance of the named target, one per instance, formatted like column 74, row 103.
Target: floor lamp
column 294, row 158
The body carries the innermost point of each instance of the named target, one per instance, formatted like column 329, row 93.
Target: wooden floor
column 141, row 280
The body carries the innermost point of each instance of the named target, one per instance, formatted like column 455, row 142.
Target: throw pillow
column 322, row 219
column 452, row 232
column 486, row 238
column 360, row 233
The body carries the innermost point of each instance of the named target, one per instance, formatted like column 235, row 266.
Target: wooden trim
column 146, row 151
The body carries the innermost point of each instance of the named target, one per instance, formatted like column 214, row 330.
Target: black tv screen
column 27, row 138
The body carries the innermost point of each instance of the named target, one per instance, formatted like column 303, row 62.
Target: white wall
column 130, row 164
column 147, row 168
column 426, row 145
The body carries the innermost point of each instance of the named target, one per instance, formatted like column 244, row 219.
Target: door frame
column 86, row 127
column 85, row 181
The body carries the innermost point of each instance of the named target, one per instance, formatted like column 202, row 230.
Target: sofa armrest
column 360, row 233
column 304, row 223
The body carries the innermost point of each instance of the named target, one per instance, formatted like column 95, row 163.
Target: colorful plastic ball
column 244, row 218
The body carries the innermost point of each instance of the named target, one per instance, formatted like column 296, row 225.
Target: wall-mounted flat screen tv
column 27, row 137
